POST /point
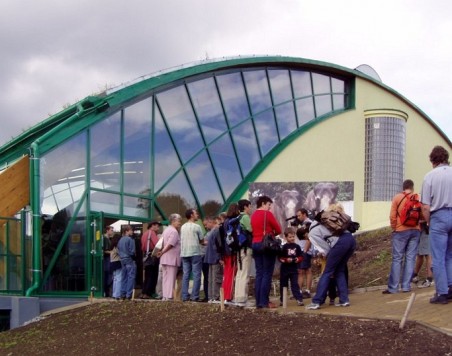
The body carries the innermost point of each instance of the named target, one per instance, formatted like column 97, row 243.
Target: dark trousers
column 284, row 277
column 151, row 275
column 265, row 265
column 205, row 276
column 108, row 276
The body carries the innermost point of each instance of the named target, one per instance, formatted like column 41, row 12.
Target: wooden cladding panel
column 15, row 187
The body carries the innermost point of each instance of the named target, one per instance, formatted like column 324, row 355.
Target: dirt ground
column 168, row 328
column 165, row 328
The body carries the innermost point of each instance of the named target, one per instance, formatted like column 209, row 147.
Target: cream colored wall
column 333, row 150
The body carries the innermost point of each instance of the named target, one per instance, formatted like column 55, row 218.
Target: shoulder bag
column 270, row 244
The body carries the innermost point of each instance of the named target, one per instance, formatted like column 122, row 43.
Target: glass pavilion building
column 197, row 136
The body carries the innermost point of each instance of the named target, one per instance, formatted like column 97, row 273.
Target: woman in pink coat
column 170, row 259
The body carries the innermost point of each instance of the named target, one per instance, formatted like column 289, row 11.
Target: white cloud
column 55, row 53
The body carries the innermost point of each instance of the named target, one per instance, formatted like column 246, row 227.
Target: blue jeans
column 265, row 265
column 191, row 265
column 441, row 246
column 404, row 245
column 128, row 274
column 336, row 265
column 117, row 277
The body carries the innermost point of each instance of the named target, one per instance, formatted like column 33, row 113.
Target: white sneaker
column 426, row 284
column 240, row 304
column 313, row 306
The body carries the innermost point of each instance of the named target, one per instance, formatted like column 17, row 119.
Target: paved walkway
column 374, row 304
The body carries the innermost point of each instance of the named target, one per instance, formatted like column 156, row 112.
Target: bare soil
column 167, row 328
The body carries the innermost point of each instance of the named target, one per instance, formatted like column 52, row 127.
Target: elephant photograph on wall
column 288, row 197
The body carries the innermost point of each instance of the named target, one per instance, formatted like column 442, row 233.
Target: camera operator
column 302, row 223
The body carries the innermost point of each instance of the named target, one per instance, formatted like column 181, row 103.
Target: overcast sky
column 57, row 52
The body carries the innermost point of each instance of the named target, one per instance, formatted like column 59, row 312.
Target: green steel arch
column 327, row 100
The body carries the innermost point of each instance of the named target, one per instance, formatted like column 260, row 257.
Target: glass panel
column 106, row 202
column 176, row 197
column 301, row 82
column 338, row 101
column 280, row 85
column 323, row 105
column 203, row 180
column 207, row 104
column 321, row 83
column 179, row 116
column 266, row 131
column 166, row 161
column 226, row 165
column 137, row 147
column 134, row 206
column 258, row 91
column 68, row 273
column 305, row 111
column 62, row 169
column 233, row 97
column 286, row 119
column 105, row 152
column 246, row 146
column 337, row 85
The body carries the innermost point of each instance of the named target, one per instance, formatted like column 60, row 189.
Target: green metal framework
column 264, row 107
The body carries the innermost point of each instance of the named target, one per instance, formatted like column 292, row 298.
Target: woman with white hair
column 170, row 259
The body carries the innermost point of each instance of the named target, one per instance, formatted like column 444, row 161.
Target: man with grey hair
column 436, row 198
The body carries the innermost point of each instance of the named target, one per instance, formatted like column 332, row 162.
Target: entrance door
column 95, row 244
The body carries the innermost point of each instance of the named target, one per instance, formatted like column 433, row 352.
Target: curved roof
column 129, row 92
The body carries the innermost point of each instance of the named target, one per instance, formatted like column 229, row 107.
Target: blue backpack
column 237, row 237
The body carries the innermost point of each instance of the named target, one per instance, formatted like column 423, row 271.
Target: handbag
column 149, row 258
column 270, row 244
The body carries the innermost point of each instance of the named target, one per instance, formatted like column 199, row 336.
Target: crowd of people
column 211, row 255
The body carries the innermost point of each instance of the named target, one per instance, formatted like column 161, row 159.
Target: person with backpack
column 437, row 209
column 229, row 256
column 404, row 218
column 337, row 244
column 151, row 271
column 263, row 222
column 245, row 255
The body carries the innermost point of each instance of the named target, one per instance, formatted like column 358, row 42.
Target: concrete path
column 374, row 304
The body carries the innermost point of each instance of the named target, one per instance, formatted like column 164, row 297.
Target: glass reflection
column 266, row 131
column 166, row 161
column 203, row 180
column 246, row 146
column 176, row 197
column 323, row 105
column 280, row 86
column 286, row 120
column 233, row 97
column 305, row 111
column 63, row 175
column 134, row 206
column 179, row 116
column 258, row 91
column 137, row 146
column 321, row 83
column 106, row 202
column 301, row 82
column 105, row 152
column 207, row 104
column 225, row 162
